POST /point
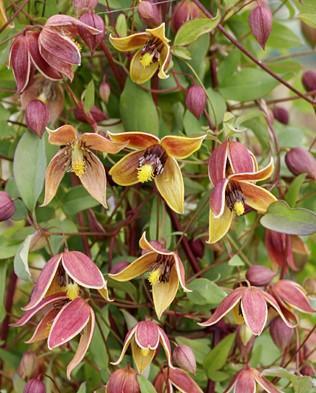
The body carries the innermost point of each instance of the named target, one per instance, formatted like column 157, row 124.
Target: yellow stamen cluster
column 154, row 276
column 78, row 167
column 72, row 291
column 146, row 59
column 145, row 351
column 145, row 173
column 239, row 208
column 77, row 160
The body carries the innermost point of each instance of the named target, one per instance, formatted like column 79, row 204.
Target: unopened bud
column 299, row 160
column 281, row 114
column 195, row 100
column 184, row 11
column 259, row 275
column 7, row 207
column 281, row 334
column 105, row 91
column 149, row 13
column 37, row 116
column 260, row 22
column 95, row 114
column 29, row 366
column 309, row 80
column 92, row 40
column 309, row 33
column 118, row 267
column 123, row 380
column 184, row 357
column 197, row 246
column 34, row 386
column 81, row 5
column 308, row 370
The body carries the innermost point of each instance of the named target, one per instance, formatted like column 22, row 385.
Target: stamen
column 161, row 269
column 235, row 199
column 151, row 52
column 72, row 291
column 77, row 160
column 151, row 164
column 145, row 351
column 237, row 315
column 154, row 277
column 145, row 173
column 239, row 208
column 146, row 60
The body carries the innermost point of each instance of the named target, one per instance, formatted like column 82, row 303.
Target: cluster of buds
column 260, row 22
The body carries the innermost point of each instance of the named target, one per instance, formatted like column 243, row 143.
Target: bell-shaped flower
column 249, row 305
column 155, row 159
column 76, row 156
column 246, row 381
column 144, row 339
column 233, row 171
column 165, row 269
column 152, row 53
column 175, row 379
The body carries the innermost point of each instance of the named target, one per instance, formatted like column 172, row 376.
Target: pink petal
column 293, row 295
column 240, row 158
column 57, row 64
column 217, row 163
column 166, row 345
column 181, row 273
column 69, row 24
column 82, row 270
column 44, row 281
column 255, row 176
column 83, row 345
column 218, row 198
column 266, row 385
column 42, row 329
column 128, row 339
column 20, row 62
column 254, row 309
column 225, row 306
column 245, row 382
column 69, row 322
column 147, row 335
column 182, row 381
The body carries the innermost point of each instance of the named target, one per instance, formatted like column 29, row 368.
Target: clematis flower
column 76, row 156
column 165, row 269
column 56, row 297
column 233, row 171
column 152, row 53
column 174, row 378
column 250, row 306
column 155, row 159
column 144, row 339
column 281, row 248
column 246, row 380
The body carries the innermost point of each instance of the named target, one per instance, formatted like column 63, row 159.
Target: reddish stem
column 117, row 72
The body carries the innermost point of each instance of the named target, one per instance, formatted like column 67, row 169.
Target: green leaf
column 88, row 96
column 205, row 292
column 121, row 25
column 301, row 384
column 29, row 168
column 160, row 223
column 145, row 385
column 183, row 53
column 76, row 200
column 217, row 357
column 21, row 266
column 283, row 37
column 307, row 9
column 193, row 29
column 216, row 106
column 236, row 261
column 138, row 111
column 293, row 191
column 3, row 276
column 282, row 218
column 82, row 388
column 248, row 84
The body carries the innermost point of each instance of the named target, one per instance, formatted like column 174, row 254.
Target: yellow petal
column 138, row 73
column 164, row 61
column 144, row 244
column 124, row 172
column 263, row 174
column 159, row 32
column 134, row 139
column 181, row 147
column 170, row 185
column 3, row 16
column 218, row 227
column 62, row 135
column 165, row 292
column 98, row 142
column 256, row 197
column 136, row 268
column 129, row 43
column 141, row 361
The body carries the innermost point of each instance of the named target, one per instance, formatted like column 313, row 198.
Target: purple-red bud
column 104, row 91
column 184, row 357
column 299, row 160
column 80, row 5
column 7, row 207
column 124, row 381
column 309, row 33
column 281, row 114
column 308, row 370
column 118, row 267
column 309, row 80
column 95, row 114
column 37, row 116
column 29, row 366
column 195, row 100
column 149, row 13
column 281, row 334
column 93, row 20
column 184, row 11
column 259, row 275
column 34, row 386
column 260, row 22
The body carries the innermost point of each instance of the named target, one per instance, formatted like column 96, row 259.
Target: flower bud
column 118, row 267
column 195, row 100
column 308, row 370
column 29, row 366
column 92, row 40
column 259, row 275
column 299, row 160
column 260, row 22
column 81, row 5
column 281, row 114
column 309, row 80
column 123, row 380
column 7, row 207
column 105, row 91
column 95, row 114
column 197, row 246
column 281, row 334
column 309, row 33
column 34, row 386
column 184, row 11
column 149, row 13
column 37, row 116
column 184, row 357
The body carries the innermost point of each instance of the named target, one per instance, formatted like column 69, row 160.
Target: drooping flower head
column 233, row 171
column 175, row 379
column 76, row 156
column 155, row 159
column 152, row 53
column 144, row 339
column 165, row 269
column 123, row 380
